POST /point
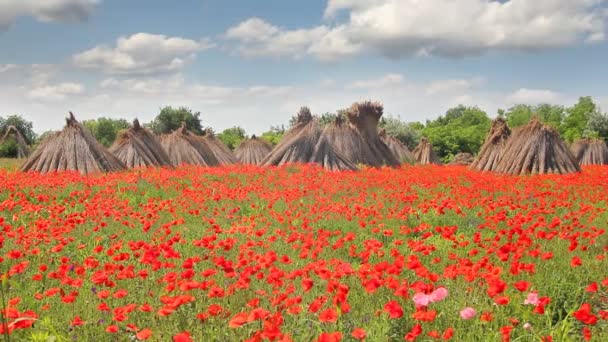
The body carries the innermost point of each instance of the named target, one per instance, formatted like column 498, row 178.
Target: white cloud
column 385, row 81
column 452, row 28
column 44, row 94
column 45, row 10
column 257, row 38
column 444, row 86
column 141, row 53
column 6, row 67
column 56, row 92
column 532, row 96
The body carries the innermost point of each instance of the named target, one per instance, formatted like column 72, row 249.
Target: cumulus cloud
column 532, row 96
column 44, row 94
column 451, row 28
column 141, row 53
column 56, row 92
column 259, row 38
column 385, row 81
column 45, row 10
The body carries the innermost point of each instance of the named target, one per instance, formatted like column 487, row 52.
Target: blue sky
column 254, row 63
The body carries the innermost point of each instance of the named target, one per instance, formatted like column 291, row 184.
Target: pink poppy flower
column 468, row 313
column 532, row 299
column 439, row 294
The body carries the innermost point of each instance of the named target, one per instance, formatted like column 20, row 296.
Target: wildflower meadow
column 243, row 253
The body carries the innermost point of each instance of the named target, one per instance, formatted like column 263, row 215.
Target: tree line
column 460, row 129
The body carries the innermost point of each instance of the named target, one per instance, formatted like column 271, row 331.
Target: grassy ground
column 237, row 253
column 10, row 163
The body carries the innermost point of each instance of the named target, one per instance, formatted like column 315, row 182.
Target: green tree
column 461, row 129
column 576, row 122
column 169, row 119
column 407, row 133
column 232, row 137
column 597, row 126
column 105, row 129
column 551, row 114
column 24, row 126
column 274, row 134
column 518, row 115
column 9, row 149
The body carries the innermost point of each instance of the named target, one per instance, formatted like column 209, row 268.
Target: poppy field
column 242, row 253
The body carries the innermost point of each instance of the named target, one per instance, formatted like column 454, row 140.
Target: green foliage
column 461, row 129
column 232, row 137
column 8, row 149
column 169, row 119
column 597, row 125
column 576, row 122
column 274, row 134
column 520, row 115
column 105, row 130
column 407, row 133
column 24, row 126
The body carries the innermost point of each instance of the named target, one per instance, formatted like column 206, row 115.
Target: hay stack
column 536, row 148
column 138, row 147
column 424, row 154
column 462, row 158
column 492, row 150
column 23, row 151
column 590, row 151
column 325, row 153
column 252, row 151
column 184, row 147
column 360, row 142
column 298, row 144
column 222, row 153
column 399, row 150
column 74, row 148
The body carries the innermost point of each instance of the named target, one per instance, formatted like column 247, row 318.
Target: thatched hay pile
column 298, row 144
column 138, row 147
column 74, row 148
column 399, row 150
column 222, row 153
column 424, row 154
column 23, row 151
column 462, row 158
column 590, row 151
column 325, row 153
column 536, row 148
column 184, row 147
column 492, row 150
column 252, row 151
column 359, row 142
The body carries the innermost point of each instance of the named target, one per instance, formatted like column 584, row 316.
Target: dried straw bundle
column 424, row 154
column 590, row 151
column 74, row 148
column 492, row 150
column 360, row 142
column 399, row 150
column 326, row 154
column 462, row 158
column 138, row 147
column 252, row 151
column 298, row 144
column 222, row 153
column 536, row 149
column 183, row 147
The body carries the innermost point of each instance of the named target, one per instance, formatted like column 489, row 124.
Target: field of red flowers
column 299, row 254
